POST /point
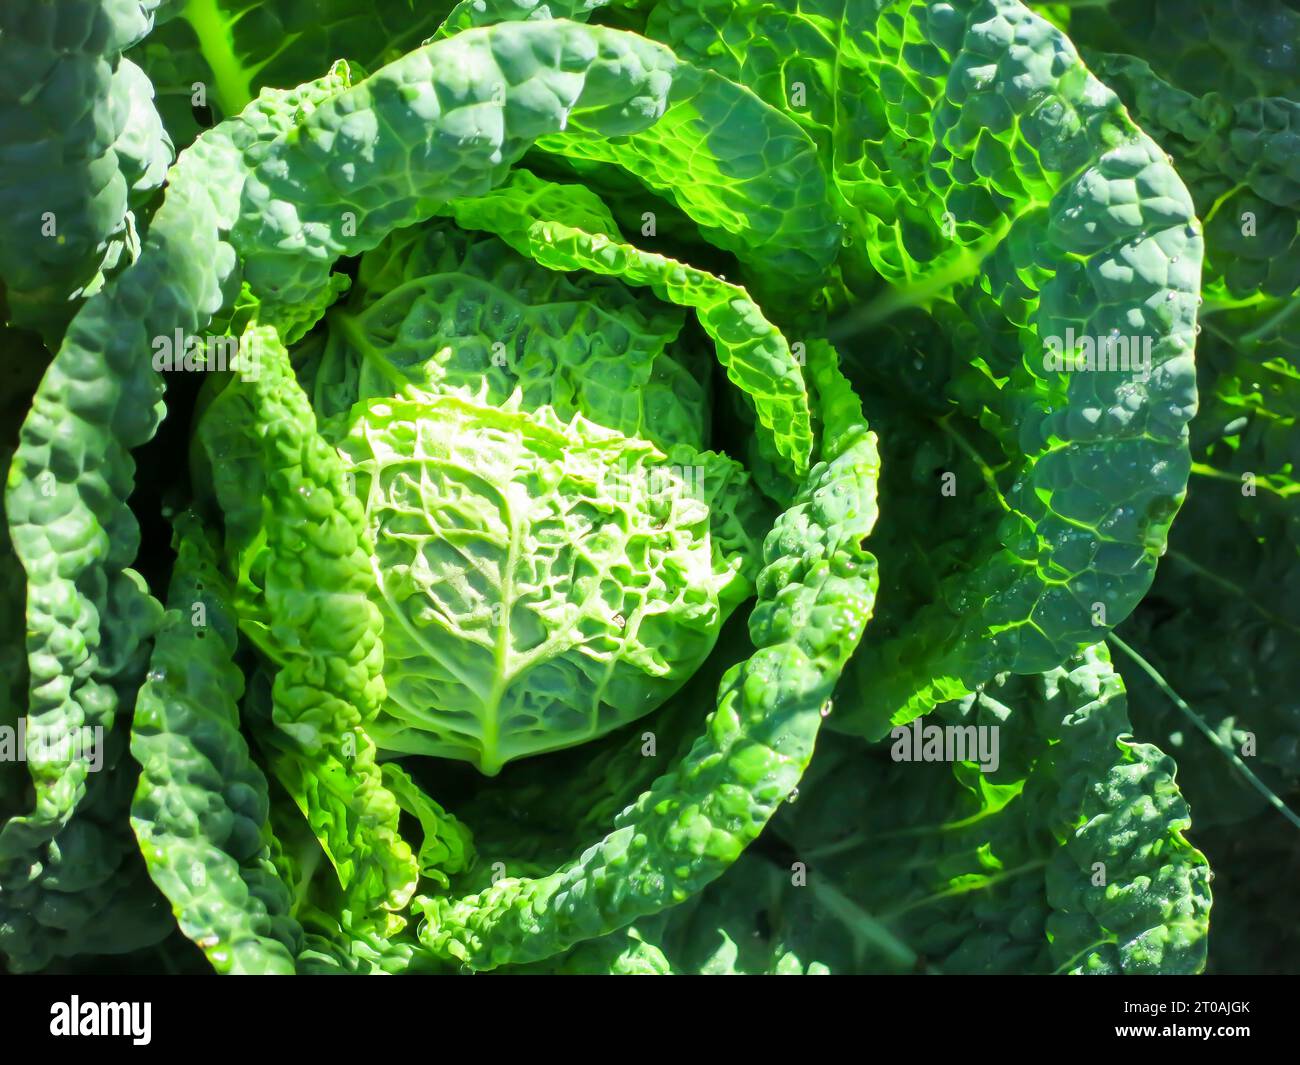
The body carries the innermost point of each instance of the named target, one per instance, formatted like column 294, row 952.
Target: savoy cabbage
column 647, row 486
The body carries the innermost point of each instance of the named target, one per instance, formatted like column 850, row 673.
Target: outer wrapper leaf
column 1215, row 84
column 303, row 596
column 446, row 120
column 201, row 807
column 1068, row 858
column 83, row 149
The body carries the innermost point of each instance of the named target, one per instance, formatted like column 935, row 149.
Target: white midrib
column 491, row 718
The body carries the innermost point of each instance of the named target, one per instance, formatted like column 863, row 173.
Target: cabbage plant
column 526, row 602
